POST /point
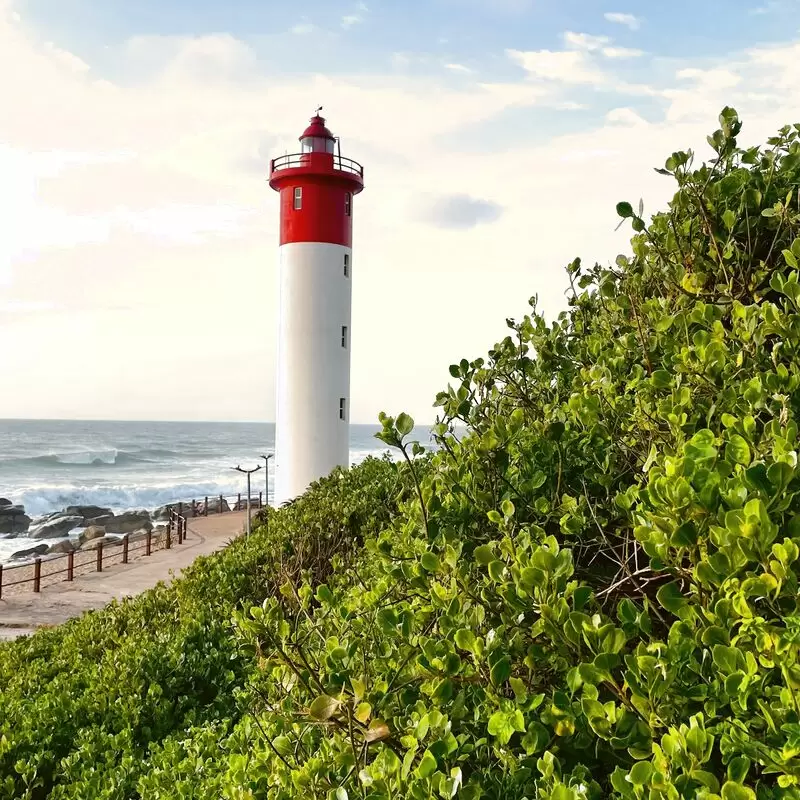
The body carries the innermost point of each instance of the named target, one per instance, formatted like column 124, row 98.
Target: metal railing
column 175, row 529
column 293, row 160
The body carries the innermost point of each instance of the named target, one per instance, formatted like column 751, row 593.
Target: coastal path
column 23, row 613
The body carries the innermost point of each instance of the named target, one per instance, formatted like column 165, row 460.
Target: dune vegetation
column 589, row 589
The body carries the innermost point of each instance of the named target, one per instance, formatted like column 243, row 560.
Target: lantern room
column 316, row 137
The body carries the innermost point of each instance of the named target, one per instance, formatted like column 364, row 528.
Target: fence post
column 180, row 508
column 148, row 545
column 125, row 548
column 1, row 581
column 100, row 556
column 261, row 499
column 205, row 510
column 168, row 541
column 37, row 575
column 180, row 529
column 70, row 565
column 220, row 506
column 239, row 502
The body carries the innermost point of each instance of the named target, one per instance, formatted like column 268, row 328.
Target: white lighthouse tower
column 316, row 189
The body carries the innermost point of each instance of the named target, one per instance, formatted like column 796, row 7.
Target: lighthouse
column 316, row 187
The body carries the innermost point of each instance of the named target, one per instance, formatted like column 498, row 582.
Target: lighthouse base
column 313, row 403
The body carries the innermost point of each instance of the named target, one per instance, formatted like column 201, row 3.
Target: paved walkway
column 22, row 613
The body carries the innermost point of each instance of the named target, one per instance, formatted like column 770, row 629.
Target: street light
column 248, row 472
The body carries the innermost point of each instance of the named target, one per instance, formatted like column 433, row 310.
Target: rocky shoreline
column 82, row 527
column 74, row 528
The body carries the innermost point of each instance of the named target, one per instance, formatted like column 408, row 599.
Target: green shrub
column 594, row 592
column 85, row 707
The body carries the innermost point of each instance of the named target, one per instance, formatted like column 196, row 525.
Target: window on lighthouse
column 347, row 265
column 316, row 144
column 342, row 408
column 344, row 336
column 347, row 203
column 298, row 197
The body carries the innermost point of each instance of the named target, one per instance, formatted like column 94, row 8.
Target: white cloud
column 624, row 116
column 585, row 41
column 459, row 68
column 602, row 44
column 565, row 66
column 622, row 52
column 629, row 20
column 356, row 17
column 302, row 29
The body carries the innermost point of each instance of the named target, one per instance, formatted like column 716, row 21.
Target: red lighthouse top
column 316, row 187
column 317, row 129
column 318, row 157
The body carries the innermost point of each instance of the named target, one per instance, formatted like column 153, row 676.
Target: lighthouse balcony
column 331, row 165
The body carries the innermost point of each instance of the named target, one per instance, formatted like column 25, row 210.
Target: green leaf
column 790, row 258
column 640, row 773
column 735, row 791
column 661, row 379
column 500, row 671
column 737, row 450
column 507, row 508
column 625, row 210
column 427, row 766
column 429, row 561
column 519, row 689
column 483, row 554
column 341, row 793
column 404, row 424
column 729, row 218
column 670, row 598
column 363, row 712
column 738, row 769
column 503, row 724
column 324, row 707
column 465, row 640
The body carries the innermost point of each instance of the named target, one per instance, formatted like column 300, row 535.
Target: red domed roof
column 317, row 128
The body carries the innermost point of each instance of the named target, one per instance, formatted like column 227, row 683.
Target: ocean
column 48, row 465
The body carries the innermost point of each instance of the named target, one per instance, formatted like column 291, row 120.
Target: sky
column 138, row 235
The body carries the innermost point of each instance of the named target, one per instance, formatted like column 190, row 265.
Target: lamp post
column 248, row 472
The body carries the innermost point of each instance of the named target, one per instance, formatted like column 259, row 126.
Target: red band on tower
column 317, row 188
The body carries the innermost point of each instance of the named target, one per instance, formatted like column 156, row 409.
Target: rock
column 128, row 522
column 106, row 541
column 217, row 505
column 186, row 509
column 11, row 510
column 103, row 519
column 14, row 523
column 4, row 502
column 64, row 546
column 241, row 505
column 52, row 529
column 39, row 550
column 92, row 532
column 88, row 512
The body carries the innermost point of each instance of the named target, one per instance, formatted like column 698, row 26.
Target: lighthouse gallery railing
column 303, row 160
